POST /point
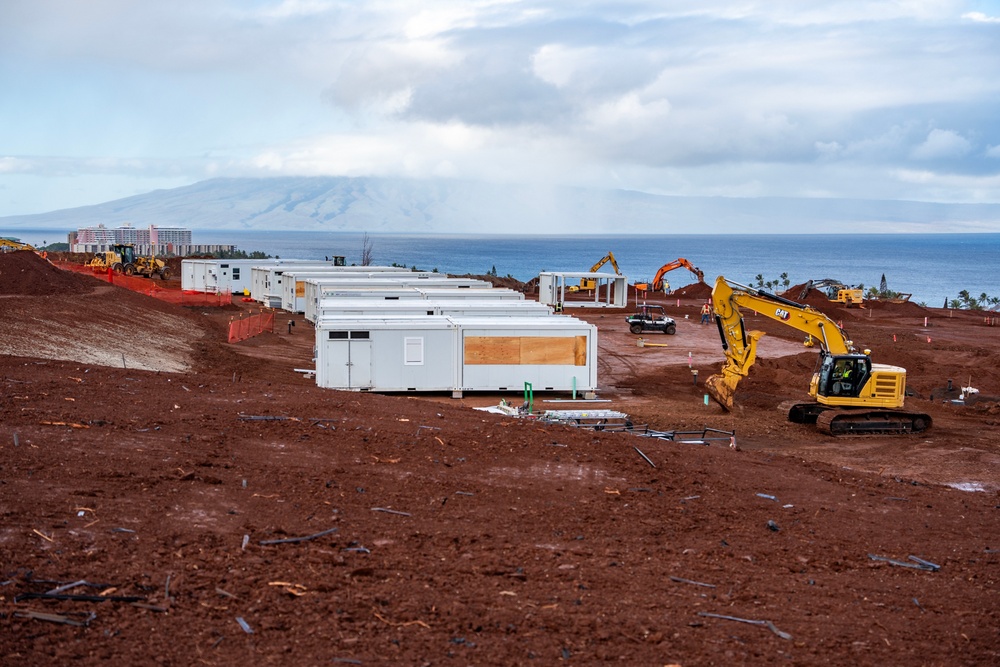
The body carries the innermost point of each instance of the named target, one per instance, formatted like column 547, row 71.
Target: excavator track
column 871, row 422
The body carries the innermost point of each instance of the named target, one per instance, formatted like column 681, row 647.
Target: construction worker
column 706, row 312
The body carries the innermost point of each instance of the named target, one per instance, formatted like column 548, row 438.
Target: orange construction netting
column 153, row 288
column 251, row 325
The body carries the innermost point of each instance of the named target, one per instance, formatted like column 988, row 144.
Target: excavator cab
column 843, row 375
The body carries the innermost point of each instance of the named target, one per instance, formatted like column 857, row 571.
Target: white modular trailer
column 318, row 289
column 331, row 298
column 456, row 354
column 233, row 275
column 611, row 291
column 266, row 280
column 293, row 283
column 348, row 308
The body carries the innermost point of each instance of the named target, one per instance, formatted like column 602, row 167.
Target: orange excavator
column 678, row 263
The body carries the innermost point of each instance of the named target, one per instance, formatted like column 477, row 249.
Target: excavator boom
column 590, row 283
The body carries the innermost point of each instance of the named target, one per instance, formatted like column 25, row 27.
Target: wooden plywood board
column 526, row 350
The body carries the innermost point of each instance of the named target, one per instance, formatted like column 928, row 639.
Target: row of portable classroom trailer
column 230, row 275
column 440, row 353
column 330, row 300
column 285, row 287
column 386, row 329
column 299, row 291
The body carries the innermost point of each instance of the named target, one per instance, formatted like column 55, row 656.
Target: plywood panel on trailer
column 526, row 350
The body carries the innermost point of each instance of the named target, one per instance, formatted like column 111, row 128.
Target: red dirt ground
column 439, row 535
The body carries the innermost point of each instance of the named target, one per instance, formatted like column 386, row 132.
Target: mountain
column 451, row 206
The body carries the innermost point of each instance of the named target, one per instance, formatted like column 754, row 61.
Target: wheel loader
column 122, row 258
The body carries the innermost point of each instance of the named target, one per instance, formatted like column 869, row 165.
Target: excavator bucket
column 722, row 388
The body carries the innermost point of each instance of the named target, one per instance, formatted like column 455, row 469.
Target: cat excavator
column 678, row 263
column 852, row 395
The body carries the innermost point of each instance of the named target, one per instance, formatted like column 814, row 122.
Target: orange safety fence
column 153, row 288
column 251, row 325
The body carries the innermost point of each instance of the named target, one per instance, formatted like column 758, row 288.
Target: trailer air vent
column 502, row 389
column 335, row 335
column 411, row 389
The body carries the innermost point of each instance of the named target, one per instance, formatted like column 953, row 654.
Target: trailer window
column 413, row 351
column 236, row 273
column 338, row 335
column 355, row 335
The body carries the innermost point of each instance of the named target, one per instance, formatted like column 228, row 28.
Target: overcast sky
column 844, row 98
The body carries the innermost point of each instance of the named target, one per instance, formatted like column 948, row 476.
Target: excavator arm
column 610, row 257
column 740, row 345
column 590, row 283
column 14, row 244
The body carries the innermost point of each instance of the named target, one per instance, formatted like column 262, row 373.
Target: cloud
column 688, row 97
column 979, row 17
column 942, row 144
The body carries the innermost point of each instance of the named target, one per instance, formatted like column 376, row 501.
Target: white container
column 457, row 354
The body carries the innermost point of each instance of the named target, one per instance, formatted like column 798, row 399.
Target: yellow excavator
column 852, row 395
column 836, row 292
column 678, row 263
column 590, row 283
column 8, row 244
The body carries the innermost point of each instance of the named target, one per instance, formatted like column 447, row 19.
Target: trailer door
column 349, row 362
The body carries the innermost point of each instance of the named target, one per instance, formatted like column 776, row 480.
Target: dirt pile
column 694, row 291
column 55, row 314
column 25, row 273
column 498, row 281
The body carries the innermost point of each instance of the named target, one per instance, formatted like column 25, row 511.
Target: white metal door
column 349, row 362
column 360, row 363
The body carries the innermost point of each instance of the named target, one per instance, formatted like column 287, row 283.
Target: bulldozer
column 122, row 259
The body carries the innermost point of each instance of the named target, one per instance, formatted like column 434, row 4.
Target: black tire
column 165, row 273
column 129, row 269
column 636, row 328
column 117, row 268
column 670, row 329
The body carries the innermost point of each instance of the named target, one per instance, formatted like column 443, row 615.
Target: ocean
column 932, row 267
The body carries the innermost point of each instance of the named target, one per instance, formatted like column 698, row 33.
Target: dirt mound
column 694, row 291
column 903, row 309
column 24, row 273
column 55, row 314
column 498, row 281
